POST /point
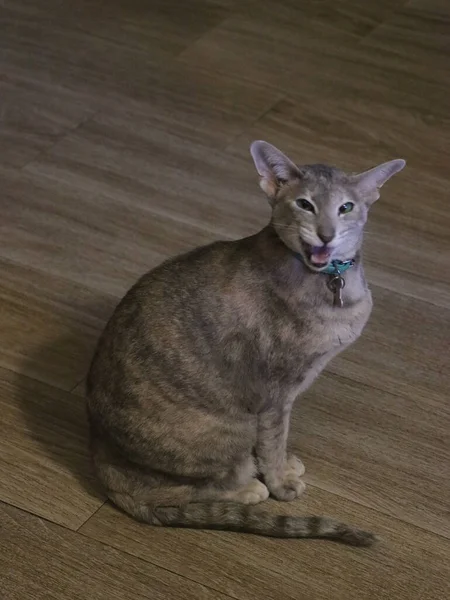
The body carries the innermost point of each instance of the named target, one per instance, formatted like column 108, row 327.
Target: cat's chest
column 319, row 333
column 332, row 328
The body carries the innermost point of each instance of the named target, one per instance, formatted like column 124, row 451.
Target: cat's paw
column 294, row 465
column 253, row 493
column 289, row 486
column 290, row 489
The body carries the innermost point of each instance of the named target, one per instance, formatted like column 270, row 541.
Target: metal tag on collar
column 336, row 282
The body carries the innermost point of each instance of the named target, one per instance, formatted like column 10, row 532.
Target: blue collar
column 336, row 267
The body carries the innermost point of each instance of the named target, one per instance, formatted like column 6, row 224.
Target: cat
column 191, row 387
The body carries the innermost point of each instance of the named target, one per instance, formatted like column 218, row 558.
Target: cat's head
column 318, row 211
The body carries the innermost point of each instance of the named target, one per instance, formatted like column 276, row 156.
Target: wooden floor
column 125, row 127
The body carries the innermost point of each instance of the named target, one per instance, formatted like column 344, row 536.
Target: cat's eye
column 346, row 208
column 305, row 204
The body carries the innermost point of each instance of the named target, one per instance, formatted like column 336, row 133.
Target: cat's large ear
column 367, row 184
column 274, row 168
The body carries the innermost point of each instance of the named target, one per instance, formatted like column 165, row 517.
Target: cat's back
column 188, row 286
column 175, row 282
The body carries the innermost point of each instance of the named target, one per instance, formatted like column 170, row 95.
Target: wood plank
column 438, row 10
column 79, row 389
column 34, row 116
column 419, row 31
column 385, row 451
column 98, row 224
column 44, row 462
column 40, row 560
column 408, row 563
column 299, row 55
column 49, row 325
column 346, row 16
column 44, row 46
column 407, row 340
column 201, row 105
column 157, row 31
column 163, row 171
column 357, row 130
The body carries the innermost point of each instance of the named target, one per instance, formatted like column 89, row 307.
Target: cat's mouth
column 318, row 257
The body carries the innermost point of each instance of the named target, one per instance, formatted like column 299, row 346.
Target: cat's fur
column 191, row 388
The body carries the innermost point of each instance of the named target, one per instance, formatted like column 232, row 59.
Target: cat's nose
column 325, row 236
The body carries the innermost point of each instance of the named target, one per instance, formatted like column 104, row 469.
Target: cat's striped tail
column 230, row 516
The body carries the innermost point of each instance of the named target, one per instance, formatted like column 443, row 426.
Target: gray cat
column 193, row 381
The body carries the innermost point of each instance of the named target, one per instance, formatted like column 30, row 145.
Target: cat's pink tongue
column 319, row 256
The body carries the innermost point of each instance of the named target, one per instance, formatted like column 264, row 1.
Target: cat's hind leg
column 252, row 493
column 239, row 485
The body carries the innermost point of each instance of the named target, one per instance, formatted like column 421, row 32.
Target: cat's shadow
column 56, row 419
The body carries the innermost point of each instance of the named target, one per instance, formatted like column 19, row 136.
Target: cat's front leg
column 281, row 473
